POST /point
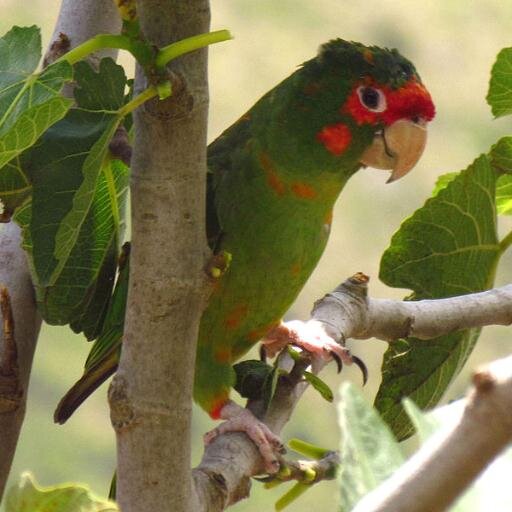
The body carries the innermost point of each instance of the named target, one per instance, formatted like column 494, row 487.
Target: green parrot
column 273, row 179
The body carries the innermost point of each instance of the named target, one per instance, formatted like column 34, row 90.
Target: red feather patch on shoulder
column 335, row 137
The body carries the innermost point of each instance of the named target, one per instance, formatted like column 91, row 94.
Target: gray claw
column 338, row 361
column 362, row 367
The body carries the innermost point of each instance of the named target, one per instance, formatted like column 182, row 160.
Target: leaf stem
column 97, row 43
column 144, row 96
column 307, row 449
column 505, row 243
column 174, row 50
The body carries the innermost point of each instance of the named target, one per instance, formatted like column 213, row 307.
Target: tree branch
column 15, row 277
column 77, row 22
column 447, row 464
column 151, row 394
column 348, row 312
column 223, row 476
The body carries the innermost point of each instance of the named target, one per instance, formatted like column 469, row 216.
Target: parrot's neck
column 288, row 126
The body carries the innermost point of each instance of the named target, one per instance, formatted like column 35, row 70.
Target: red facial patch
column 335, row 138
column 410, row 101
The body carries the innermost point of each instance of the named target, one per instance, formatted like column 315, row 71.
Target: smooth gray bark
column 151, row 394
column 78, row 21
column 14, row 275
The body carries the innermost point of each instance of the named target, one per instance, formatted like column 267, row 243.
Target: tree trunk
column 151, row 395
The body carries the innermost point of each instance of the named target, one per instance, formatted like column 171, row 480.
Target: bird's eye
column 373, row 99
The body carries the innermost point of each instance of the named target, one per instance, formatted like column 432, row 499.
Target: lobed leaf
column 68, row 164
column 369, row 452
column 81, row 293
column 448, row 247
column 78, row 201
column 29, row 104
column 27, row 496
column 499, row 95
column 501, row 159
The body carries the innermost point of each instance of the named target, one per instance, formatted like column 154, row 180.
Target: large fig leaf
column 67, row 165
column 369, row 452
column 29, row 104
column 78, row 189
column 82, row 291
column 499, row 95
column 27, row 496
column 448, row 247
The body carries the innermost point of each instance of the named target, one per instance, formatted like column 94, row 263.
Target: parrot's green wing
column 104, row 355
column 220, row 158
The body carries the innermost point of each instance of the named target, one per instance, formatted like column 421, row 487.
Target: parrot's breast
column 275, row 229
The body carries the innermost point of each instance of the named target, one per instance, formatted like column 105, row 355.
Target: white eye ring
column 371, row 98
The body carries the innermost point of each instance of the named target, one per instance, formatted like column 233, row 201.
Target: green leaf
column 424, row 424
column 504, row 195
column 270, row 384
column 251, row 377
column 80, row 191
column 499, row 96
column 501, row 160
column 70, row 226
column 109, row 341
column 27, row 496
column 15, row 185
column 501, row 155
column 319, row 385
column 29, row 104
column 442, row 181
column 93, row 130
column 369, row 452
column 81, row 293
column 448, row 247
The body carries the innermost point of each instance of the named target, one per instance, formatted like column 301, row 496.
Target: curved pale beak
column 397, row 147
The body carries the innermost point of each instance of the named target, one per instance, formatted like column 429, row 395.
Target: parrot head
column 362, row 106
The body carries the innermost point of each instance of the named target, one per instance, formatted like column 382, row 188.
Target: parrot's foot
column 239, row 419
column 311, row 337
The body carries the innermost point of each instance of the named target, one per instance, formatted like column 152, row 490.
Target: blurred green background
column 453, row 45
